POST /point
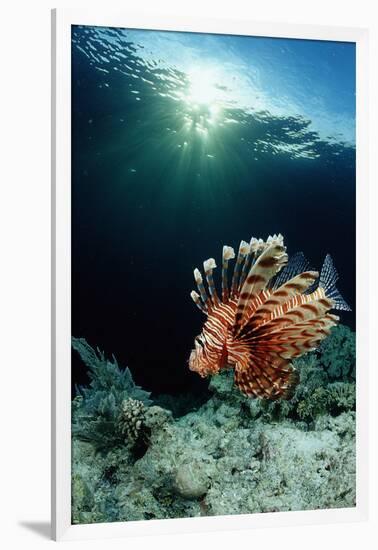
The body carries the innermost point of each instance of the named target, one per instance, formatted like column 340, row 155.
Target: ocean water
column 182, row 143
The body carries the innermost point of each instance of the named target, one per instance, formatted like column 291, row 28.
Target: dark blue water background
column 182, row 143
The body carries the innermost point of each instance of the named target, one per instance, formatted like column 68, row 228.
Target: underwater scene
column 213, row 275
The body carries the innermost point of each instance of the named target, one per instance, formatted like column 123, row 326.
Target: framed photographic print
column 209, row 260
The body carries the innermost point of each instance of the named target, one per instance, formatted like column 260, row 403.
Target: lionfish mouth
column 198, row 365
column 192, row 360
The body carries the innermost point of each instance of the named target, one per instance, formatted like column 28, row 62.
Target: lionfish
column 274, row 311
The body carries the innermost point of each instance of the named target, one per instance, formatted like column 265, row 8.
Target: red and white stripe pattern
column 255, row 328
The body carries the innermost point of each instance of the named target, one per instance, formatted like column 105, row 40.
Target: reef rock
column 191, row 479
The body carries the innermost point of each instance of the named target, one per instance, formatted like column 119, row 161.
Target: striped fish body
column 272, row 313
column 212, row 346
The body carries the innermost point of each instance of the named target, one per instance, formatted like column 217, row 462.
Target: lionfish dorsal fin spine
column 197, row 300
column 201, row 289
column 227, row 255
column 243, row 252
column 208, row 266
column 247, row 262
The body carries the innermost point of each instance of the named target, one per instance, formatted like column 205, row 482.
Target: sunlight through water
column 214, row 92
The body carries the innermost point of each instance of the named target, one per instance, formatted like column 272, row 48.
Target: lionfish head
column 205, row 359
column 197, row 359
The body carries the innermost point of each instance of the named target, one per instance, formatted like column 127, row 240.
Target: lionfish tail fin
column 327, row 281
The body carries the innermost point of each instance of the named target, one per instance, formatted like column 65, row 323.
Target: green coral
column 314, row 405
column 341, row 397
column 338, row 354
column 106, row 376
column 83, row 497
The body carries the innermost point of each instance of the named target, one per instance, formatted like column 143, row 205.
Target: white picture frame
column 62, row 20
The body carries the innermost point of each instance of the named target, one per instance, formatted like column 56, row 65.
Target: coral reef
column 96, row 410
column 231, row 455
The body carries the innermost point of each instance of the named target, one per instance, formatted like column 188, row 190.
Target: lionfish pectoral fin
column 273, row 306
column 267, row 265
column 270, row 377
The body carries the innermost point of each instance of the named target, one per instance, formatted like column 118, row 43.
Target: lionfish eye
column 198, row 339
